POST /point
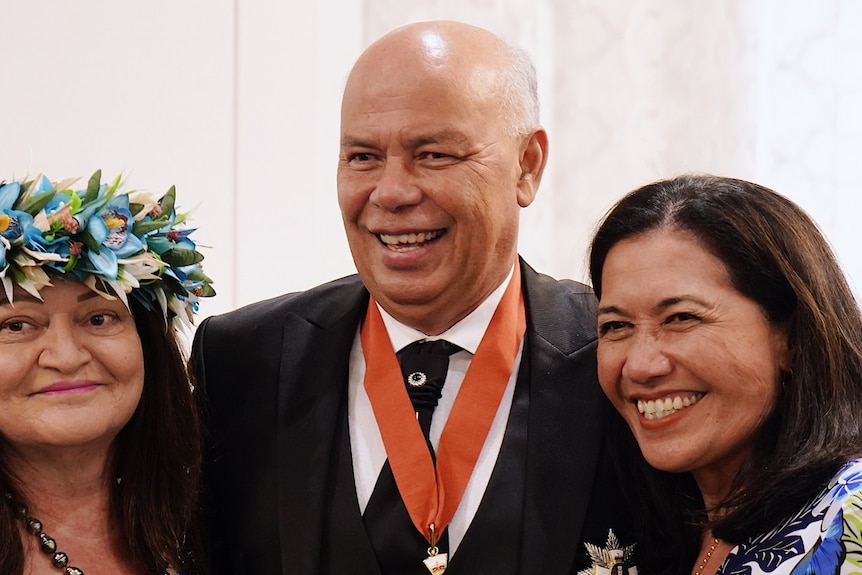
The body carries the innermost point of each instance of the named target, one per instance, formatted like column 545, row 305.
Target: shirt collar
column 467, row 333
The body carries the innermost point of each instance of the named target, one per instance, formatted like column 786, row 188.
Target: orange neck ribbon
column 432, row 494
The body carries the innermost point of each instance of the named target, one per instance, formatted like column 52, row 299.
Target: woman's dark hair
column 776, row 256
column 156, row 458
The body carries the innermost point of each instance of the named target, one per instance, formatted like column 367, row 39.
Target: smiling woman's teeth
column 408, row 241
column 659, row 408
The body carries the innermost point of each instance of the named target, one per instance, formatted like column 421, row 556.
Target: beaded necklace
column 707, row 557
column 48, row 545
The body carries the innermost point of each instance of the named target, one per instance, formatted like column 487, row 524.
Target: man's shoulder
column 554, row 293
column 543, row 281
column 344, row 292
column 562, row 311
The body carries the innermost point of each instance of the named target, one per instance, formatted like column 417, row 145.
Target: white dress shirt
column 366, row 444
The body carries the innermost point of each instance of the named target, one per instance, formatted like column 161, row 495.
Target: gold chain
column 706, row 559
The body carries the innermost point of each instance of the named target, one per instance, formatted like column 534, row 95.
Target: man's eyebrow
column 442, row 137
column 351, row 142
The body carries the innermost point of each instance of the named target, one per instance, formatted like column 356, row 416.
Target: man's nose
column 397, row 187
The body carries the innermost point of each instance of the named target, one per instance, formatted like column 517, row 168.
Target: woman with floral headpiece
column 99, row 434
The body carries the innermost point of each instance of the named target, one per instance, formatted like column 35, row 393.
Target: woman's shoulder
column 839, row 546
column 842, row 498
column 850, row 476
column 823, row 537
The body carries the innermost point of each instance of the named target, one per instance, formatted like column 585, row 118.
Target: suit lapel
column 563, row 390
column 566, row 421
column 312, row 387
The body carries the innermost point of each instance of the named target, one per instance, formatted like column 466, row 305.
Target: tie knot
column 430, row 347
column 424, row 365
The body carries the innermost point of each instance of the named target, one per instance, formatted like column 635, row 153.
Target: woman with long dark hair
column 99, row 433
column 731, row 343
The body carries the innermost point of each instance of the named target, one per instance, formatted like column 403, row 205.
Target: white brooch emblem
column 611, row 560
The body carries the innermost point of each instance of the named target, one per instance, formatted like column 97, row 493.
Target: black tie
column 398, row 546
column 424, row 365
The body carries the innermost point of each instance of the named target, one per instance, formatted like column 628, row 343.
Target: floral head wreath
column 117, row 242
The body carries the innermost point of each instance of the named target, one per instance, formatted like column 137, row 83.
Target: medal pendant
column 437, row 563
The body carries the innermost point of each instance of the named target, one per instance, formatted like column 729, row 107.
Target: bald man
column 319, row 460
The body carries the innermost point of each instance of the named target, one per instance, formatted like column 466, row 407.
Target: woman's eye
column 13, row 330
column 13, row 326
column 102, row 319
column 681, row 317
column 612, row 326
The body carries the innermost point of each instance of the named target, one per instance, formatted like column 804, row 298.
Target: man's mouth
column 661, row 408
column 407, row 242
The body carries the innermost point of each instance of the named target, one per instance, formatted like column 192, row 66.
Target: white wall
column 236, row 102
column 143, row 88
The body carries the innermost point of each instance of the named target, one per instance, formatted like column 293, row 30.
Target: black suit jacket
column 275, row 373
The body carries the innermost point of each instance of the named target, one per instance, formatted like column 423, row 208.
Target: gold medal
column 436, row 562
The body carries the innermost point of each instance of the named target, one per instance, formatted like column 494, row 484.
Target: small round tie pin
column 417, row 379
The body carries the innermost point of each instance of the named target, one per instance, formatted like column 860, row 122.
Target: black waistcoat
column 492, row 542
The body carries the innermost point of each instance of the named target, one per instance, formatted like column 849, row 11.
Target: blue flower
column 13, row 224
column 826, row 557
column 9, row 195
column 847, row 484
column 100, row 234
column 37, row 242
column 111, row 229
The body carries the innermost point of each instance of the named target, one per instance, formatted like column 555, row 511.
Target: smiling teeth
column 661, row 408
column 408, row 240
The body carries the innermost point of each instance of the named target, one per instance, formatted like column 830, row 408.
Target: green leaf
column 168, row 200
column 73, row 261
column 144, row 226
column 93, row 186
column 172, row 285
column 75, row 203
column 88, row 240
column 115, row 185
column 180, row 257
column 197, row 275
column 851, row 537
column 33, row 204
column 159, row 244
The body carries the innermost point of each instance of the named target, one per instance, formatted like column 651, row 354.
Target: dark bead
column 73, row 571
column 60, row 559
column 34, row 526
column 48, row 545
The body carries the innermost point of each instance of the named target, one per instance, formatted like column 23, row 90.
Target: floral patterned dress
column 824, row 538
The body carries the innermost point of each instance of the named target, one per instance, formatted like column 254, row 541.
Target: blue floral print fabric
column 824, row 538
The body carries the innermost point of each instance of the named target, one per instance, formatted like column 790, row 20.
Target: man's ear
column 533, row 157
